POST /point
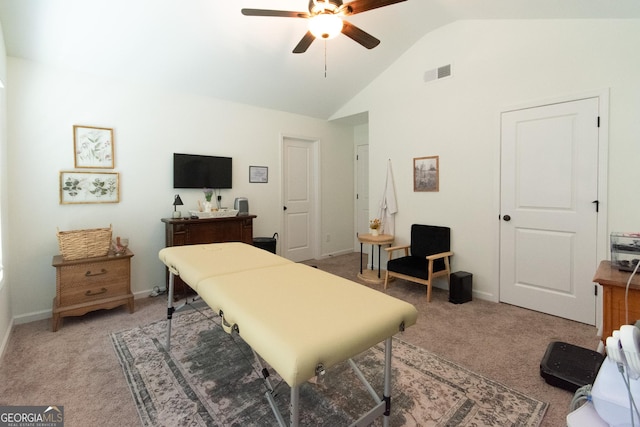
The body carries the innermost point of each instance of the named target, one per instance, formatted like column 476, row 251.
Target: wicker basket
column 79, row 244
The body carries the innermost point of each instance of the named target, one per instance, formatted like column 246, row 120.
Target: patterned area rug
column 211, row 379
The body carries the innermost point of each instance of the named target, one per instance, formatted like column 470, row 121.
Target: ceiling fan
column 326, row 20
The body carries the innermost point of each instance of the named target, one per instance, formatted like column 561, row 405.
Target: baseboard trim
column 337, row 253
column 31, row 317
column 5, row 339
column 47, row 314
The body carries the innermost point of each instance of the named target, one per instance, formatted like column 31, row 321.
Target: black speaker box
column 568, row 366
column 460, row 287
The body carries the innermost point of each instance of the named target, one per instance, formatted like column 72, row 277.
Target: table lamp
column 177, row 201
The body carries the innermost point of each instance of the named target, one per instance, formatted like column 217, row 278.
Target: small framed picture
column 426, row 173
column 93, row 147
column 258, row 174
column 89, row 187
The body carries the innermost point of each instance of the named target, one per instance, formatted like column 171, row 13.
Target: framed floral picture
column 89, row 187
column 426, row 173
column 93, row 147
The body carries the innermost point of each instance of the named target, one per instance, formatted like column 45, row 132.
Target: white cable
column 626, row 294
column 582, row 395
column 632, row 402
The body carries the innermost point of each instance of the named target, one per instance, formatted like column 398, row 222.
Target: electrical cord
column 157, row 292
column 632, row 403
column 627, row 383
column 626, row 293
column 218, row 198
column 581, row 396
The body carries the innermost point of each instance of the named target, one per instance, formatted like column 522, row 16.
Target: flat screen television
column 198, row 171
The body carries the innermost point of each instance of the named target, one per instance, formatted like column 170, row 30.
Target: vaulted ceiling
column 208, row 47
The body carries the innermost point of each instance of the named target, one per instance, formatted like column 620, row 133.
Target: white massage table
column 298, row 319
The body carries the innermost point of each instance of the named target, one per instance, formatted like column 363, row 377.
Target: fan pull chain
column 325, row 59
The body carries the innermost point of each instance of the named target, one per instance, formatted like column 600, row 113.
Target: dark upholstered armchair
column 426, row 258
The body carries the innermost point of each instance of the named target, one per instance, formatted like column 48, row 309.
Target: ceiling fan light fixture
column 325, row 25
column 324, row 6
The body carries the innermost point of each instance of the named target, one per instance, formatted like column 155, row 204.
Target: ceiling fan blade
column 279, row 13
column 359, row 6
column 304, row 44
column 362, row 37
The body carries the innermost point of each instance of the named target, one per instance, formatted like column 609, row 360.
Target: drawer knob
column 89, row 273
column 91, row 293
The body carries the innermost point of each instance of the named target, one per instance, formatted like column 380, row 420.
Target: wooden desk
column 614, row 283
column 381, row 239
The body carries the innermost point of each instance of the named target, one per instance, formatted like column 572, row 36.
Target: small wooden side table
column 381, row 239
column 614, row 283
column 85, row 285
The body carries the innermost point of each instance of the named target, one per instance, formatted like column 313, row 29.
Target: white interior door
column 548, row 232
column 299, row 192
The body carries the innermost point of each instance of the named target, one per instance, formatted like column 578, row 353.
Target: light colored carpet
column 209, row 378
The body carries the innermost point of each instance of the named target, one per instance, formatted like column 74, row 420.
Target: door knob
column 506, row 218
column 284, row 208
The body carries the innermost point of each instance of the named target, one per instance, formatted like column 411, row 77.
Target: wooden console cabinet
column 614, row 283
column 179, row 232
column 90, row 284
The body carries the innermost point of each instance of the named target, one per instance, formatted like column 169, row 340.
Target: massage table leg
column 270, row 390
column 170, row 309
column 364, row 381
column 274, row 408
column 387, row 381
column 383, row 406
column 294, row 406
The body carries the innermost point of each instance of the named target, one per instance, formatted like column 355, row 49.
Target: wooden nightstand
column 614, row 283
column 90, row 284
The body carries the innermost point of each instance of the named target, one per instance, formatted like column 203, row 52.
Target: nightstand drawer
column 83, row 293
column 87, row 282
column 91, row 272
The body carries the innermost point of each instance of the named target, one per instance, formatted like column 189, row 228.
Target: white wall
column 496, row 65
column 149, row 125
column 5, row 306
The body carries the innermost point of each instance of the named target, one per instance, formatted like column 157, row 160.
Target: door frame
column 315, row 232
column 356, row 201
column 602, row 236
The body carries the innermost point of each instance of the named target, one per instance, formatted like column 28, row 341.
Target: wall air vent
column 438, row 73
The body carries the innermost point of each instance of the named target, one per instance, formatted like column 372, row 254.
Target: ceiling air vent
column 438, row 73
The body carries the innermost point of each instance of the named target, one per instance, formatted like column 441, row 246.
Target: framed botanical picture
column 89, row 187
column 93, row 147
column 258, row 174
column 426, row 174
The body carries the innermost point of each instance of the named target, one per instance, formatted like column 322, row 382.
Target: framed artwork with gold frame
column 89, row 187
column 93, row 147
